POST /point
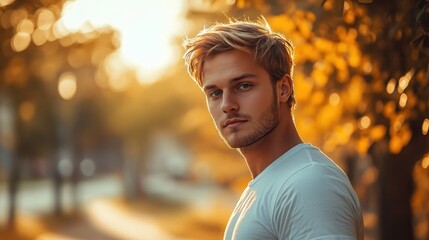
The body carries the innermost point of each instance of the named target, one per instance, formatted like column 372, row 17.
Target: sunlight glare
column 146, row 29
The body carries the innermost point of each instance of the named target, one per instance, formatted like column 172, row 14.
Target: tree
column 34, row 56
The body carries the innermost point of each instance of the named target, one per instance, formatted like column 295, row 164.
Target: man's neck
column 261, row 154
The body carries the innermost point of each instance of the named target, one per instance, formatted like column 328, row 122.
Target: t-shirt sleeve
column 317, row 202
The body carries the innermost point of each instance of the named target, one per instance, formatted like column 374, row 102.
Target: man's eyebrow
column 208, row 87
column 242, row 76
column 238, row 78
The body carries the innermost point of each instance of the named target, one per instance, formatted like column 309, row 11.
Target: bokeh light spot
column 425, row 161
column 67, row 85
column 39, row 37
column 425, row 126
column 45, row 19
column 4, row 3
column 405, row 80
column 87, row 167
column 26, row 25
column 403, row 100
column 334, row 99
column 21, row 41
column 364, row 122
column 390, row 87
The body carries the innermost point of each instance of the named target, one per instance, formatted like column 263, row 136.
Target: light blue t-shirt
column 301, row 195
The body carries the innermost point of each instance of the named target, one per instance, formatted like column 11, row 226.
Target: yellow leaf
column 310, row 16
column 303, row 87
column 344, row 133
column 400, row 139
column 240, row 3
column 307, row 52
column 378, row 132
column 363, row 144
column 342, row 47
column 328, row 115
column 317, row 98
column 305, row 27
column 412, row 100
column 324, row 45
column 330, row 144
column 354, row 57
column 343, row 76
column 395, row 144
column 354, row 91
column 405, row 135
column 389, row 109
column 340, row 63
column 320, row 78
column 282, row 24
column 349, row 17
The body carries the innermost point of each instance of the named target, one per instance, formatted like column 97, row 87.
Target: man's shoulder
column 306, row 164
column 312, row 162
column 307, row 168
column 305, row 160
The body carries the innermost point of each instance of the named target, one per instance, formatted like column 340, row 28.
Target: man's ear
column 284, row 88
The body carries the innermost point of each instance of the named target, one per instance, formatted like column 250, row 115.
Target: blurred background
column 103, row 135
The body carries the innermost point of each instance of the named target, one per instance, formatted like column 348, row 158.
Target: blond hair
column 271, row 50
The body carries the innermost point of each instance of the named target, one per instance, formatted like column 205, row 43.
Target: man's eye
column 244, row 86
column 216, row 93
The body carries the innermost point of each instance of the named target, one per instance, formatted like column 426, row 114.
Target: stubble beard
column 266, row 124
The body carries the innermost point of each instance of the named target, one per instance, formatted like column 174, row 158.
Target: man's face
column 240, row 98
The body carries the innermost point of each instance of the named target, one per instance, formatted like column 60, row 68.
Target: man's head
column 245, row 72
column 270, row 50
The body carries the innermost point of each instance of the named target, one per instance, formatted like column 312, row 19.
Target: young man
column 297, row 192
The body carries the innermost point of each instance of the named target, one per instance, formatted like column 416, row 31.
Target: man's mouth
column 232, row 122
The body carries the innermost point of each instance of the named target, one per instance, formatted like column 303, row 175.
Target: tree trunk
column 58, row 183
column 13, row 190
column 397, row 187
column 76, row 157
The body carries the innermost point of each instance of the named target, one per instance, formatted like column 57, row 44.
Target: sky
column 146, row 28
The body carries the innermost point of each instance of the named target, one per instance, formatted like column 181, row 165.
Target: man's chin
column 236, row 143
column 231, row 143
column 232, row 146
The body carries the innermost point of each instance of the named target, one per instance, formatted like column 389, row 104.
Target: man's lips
column 233, row 122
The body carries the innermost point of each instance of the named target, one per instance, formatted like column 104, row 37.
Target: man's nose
column 229, row 103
